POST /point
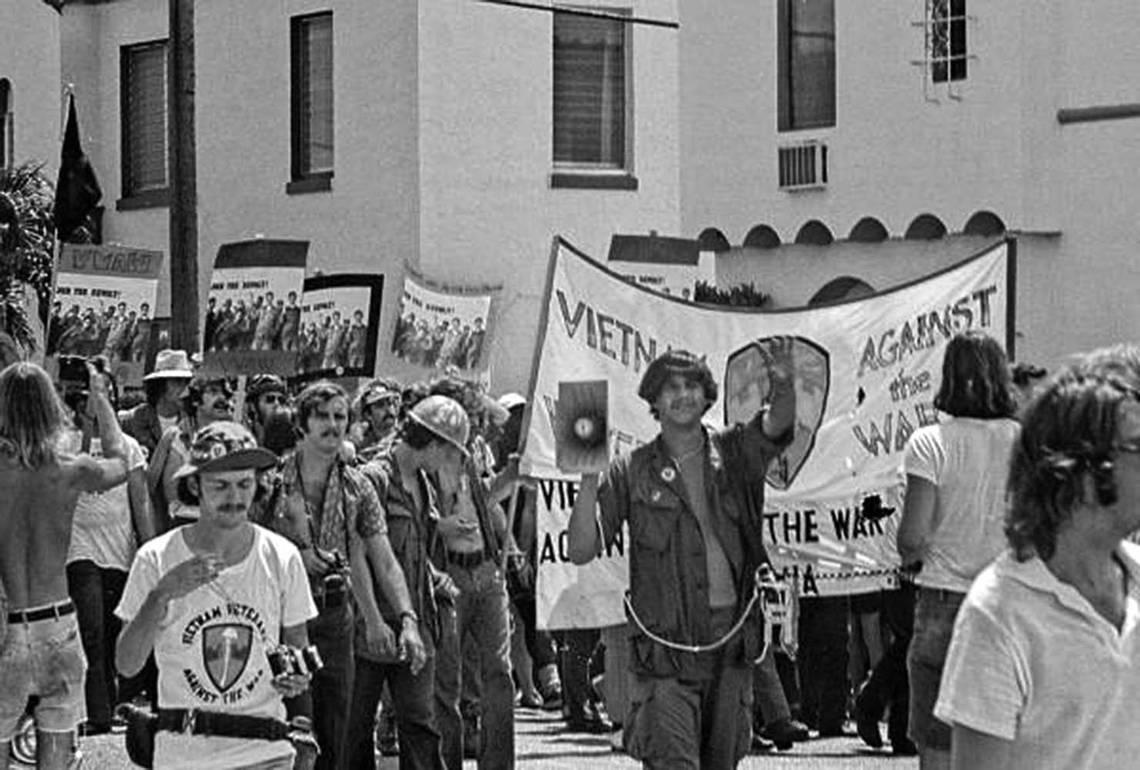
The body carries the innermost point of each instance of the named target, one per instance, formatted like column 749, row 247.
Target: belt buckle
column 189, row 721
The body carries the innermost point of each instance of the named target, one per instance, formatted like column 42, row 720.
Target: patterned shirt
column 349, row 498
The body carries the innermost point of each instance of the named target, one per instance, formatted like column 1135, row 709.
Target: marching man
column 213, row 601
column 693, row 501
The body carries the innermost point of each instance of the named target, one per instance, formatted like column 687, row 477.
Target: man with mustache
column 205, row 401
column 332, row 513
column 211, row 601
column 693, row 500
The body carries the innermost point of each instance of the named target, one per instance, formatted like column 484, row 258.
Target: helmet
column 260, row 384
column 445, row 418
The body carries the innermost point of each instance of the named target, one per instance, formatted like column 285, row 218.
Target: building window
column 591, row 92
column 806, row 64
column 143, row 105
column 6, row 124
column 946, row 39
column 312, row 101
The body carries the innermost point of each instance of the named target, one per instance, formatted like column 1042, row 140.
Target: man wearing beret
column 693, row 500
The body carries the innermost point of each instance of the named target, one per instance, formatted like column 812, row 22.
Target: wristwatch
column 410, row 614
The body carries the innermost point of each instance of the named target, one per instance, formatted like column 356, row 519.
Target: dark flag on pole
column 77, row 192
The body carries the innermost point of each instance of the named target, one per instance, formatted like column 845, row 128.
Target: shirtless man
column 41, row 653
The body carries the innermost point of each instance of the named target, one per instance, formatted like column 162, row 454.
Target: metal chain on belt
column 778, row 600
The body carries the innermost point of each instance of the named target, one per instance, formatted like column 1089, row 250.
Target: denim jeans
column 413, row 698
column 43, row 658
column 332, row 633
column 481, row 611
column 934, row 613
column 96, row 592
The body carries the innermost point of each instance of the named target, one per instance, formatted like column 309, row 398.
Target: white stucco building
column 962, row 115
column 383, row 133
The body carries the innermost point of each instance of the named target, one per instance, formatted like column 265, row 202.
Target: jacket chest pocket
column 654, row 579
column 656, row 512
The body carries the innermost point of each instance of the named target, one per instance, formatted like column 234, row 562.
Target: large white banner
column 867, row 372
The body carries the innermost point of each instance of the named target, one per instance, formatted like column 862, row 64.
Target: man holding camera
column 40, row 648
column 216, row 601
column 331, row 511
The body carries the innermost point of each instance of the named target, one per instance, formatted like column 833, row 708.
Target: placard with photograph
column 253, row 311
column 102, row 306
column 339, row 325
column 440, row 327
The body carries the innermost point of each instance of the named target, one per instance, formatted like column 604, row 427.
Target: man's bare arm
column 585, row 543
column 141, row 513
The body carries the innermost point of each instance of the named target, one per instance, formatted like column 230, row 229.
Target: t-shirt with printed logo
column 211, row 646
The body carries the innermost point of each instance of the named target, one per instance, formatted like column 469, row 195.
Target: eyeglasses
column 1128, row 447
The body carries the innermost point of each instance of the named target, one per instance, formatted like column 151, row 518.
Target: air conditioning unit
column 803, row 166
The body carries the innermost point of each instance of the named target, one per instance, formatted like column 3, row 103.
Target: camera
column 73, row 372
column 284, row 659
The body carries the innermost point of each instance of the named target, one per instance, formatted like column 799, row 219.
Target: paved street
column 543, row 744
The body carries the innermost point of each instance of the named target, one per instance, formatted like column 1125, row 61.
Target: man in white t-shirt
column 1043, row 668
column 211, row 600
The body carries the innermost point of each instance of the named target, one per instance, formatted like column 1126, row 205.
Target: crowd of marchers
column 256, row 574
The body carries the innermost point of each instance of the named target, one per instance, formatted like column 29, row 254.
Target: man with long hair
column 41, row 653
column 951, row 524
column 1044, row 665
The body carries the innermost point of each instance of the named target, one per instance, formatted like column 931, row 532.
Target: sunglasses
column 274, row 398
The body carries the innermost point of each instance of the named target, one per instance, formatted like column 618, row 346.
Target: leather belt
column 57, row 611
column 468, row 560
column 193, row 722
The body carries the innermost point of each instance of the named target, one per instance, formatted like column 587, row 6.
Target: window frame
column 302, row 179
column 944, row 62
column 785, row 111
column 133, row 196
column 599, row 175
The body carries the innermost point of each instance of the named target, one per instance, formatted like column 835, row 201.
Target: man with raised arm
column 693, row 499
column 41, row 653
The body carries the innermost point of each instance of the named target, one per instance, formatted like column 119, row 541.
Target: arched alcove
column 839, row 289
column 925, row 227
column 712, row 239
column 815, row 233
column 763, row 237
column 868, row 230
column 984, row 223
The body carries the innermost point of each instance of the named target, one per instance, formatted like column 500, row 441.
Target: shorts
column 934, row 613
column 43, row 658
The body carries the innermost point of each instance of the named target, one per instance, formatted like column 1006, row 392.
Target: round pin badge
column 668, row 474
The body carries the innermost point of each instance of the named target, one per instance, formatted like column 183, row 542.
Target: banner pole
column 540, row 341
